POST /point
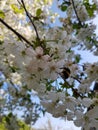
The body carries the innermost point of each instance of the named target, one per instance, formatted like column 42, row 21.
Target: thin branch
column 19, row 2
column 76, row 79
column 27, row 13
column 76, row 13
column 74, row 90
column 15, row 32
column 77, row 93
column 31, row 16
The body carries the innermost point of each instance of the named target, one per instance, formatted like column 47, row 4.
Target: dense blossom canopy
column 38, row 61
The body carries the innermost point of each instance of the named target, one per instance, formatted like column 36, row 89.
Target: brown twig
column 76, row 93
column 76, row 13
column 35, row 18
column 74, row 90
column 15, row 32
column 27, row 13
column 76, row 79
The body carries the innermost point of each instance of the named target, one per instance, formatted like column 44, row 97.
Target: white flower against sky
column 50, row 123
column 86, row 32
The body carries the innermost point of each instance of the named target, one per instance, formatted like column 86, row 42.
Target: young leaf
column 16, row 9
column 77, row 58
column 90, row 7
column 2, row 14
column 63, row 7
column 38, row 12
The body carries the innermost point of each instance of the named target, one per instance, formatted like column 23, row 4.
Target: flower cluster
column 34, row 53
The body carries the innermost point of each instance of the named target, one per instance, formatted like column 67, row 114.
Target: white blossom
column 50, row 123
column 33, row 53
column 16, row 78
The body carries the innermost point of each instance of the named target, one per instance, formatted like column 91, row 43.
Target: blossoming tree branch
column 37, row 60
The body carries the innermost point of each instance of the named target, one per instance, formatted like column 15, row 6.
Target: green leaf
column 77, row 58
column 85, row 1
column 69, row 50
column 49, row 85
column 45, row 1
column 76, row 26
column 10, row 114
column 1, row 42
column 90, row 7
column 38, row 12
column 16, row 9
column 91, row 10
column 2, row 14
column 2, row 126
column 63, row 7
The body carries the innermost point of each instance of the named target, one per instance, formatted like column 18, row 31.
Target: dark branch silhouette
column 75, row 92
column 76, row 79
column 15, row 32
column 76, row 13
column 27, row 13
